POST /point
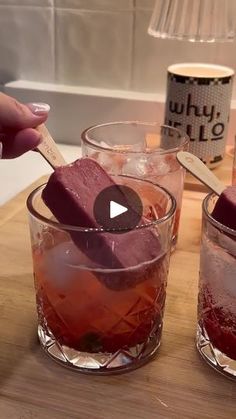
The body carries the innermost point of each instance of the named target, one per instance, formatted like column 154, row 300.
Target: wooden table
column 177, row 384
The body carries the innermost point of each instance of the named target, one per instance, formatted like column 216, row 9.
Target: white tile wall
column 101, row 43
column 145, row 4
column 93, row 49
column 27, row 2
column 26, row 43
column 95, row 4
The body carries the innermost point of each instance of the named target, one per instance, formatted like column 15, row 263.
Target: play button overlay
column 118, row 208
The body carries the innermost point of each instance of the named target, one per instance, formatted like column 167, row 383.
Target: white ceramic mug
column 198, row 102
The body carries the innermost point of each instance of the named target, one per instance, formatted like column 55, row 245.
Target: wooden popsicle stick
column 198, row 169
column 48, row 148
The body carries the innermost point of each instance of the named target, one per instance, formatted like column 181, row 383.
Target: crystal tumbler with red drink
column 100, row 317
column 216, row 336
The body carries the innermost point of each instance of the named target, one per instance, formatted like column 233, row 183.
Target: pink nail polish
column 39, row 109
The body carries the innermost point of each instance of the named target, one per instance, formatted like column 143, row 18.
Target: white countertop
column 17, row 174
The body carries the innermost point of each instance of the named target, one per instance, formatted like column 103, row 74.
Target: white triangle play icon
column 116, row 209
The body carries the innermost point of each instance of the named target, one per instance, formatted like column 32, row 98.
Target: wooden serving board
column 177, row 384
column 223, row 172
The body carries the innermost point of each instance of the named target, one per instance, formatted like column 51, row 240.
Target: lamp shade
column 194, row 20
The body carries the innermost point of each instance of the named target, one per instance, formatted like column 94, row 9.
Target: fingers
column 16, row 125
column 15, row 144
column 15, row 116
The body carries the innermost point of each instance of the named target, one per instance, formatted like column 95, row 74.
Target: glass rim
column 67, row 227
column 93, row 143
column 212, row 220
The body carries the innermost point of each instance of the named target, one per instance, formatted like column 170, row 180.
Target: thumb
column 15, row 116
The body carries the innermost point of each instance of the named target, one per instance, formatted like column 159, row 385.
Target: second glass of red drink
column 144, row 150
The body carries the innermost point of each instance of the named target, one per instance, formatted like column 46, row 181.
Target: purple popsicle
column 225, row 208
column 71, row 191
column 70, row 195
